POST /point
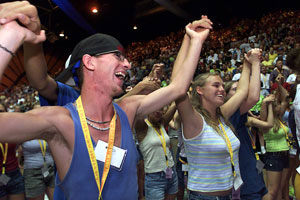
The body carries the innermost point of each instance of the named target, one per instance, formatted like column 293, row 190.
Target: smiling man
column 91, row 140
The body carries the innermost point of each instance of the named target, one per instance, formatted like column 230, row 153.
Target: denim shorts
column 157, row 185
column 276, row 161
column 179, row 171
column 180, row 174
column 255, row 196
column 197, row 196
column 35, row 183
column 15, row 185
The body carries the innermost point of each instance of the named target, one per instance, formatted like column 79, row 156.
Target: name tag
column 237, row 181
column 259, row 166
column 168, row 172
column 4, row 179
column 45, row 172
column 293, row 151
column 185, row 167
column 118, row 154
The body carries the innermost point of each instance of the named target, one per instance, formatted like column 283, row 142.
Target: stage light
column 134, row 27
column 94, row 9
column 62, row 34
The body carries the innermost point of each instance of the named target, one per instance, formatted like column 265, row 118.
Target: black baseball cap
column 96, row 44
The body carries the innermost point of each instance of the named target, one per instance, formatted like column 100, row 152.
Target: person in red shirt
column 11, row 179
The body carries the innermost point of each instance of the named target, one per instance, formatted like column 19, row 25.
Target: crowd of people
column 236, row 123
column 275, row 33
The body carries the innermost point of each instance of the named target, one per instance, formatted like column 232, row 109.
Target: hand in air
column 23, row 12
column 199, row 28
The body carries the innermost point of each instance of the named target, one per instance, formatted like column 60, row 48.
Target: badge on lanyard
column 185, row 167
column 259, row 166
column 117, row 158
column 45, row 171
column 293, row 151
column 4, row 179
column 168, row 172
column 237, row 181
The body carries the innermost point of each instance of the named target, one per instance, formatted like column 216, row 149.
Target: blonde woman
column 210, row 143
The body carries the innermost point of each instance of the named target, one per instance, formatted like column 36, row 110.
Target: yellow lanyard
column 182, row 161
column 227, row 141
column 90, row 147
column 265, row 78
column 4, row 153
column 286, row 134
column 253, row 144
column 43, row 149
column 162, row 140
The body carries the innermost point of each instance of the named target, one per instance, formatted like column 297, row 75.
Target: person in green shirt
column 277, row 145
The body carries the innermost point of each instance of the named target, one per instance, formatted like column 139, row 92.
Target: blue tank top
column 79, row 182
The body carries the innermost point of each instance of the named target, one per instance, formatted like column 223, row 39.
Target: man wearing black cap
column 91, row 140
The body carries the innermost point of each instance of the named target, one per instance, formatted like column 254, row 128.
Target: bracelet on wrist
column 7, row 50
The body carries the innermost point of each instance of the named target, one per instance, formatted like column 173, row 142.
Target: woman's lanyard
column 4, row 153
column 43, row 150
column 90, row 147
column 227, row 141
column 286, row 135
column 162, row 140
column 253, row 144
column 264, row 79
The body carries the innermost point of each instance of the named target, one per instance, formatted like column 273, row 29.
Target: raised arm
column 241, row 93
column 283, row 94
column 254, row 86
column 8, row 46
column 265, row 125
column 183, row 51
column 180, row 80
column 11, row 37
column 34, row 60
column 191, row 119
column 167, row 117
column 36, row 71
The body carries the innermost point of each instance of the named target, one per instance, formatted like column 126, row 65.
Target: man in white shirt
column 265, row 80
column 213, row 57
column 291, row 78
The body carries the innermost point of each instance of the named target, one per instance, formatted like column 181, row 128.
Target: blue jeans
column 179, row 171
column 255, row 196
column 197, row 196
column 15, row 185
column 157, row 185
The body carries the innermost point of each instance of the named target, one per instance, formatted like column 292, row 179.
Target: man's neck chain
column 88, row 121
column 97, row 122
column 97, row 128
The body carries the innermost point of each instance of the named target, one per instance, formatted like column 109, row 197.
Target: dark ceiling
column 117, row 18
column 152, row 17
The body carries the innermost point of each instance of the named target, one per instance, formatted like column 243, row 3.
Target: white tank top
column 153, row 152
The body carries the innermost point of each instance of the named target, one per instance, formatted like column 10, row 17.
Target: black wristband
column 7, row 50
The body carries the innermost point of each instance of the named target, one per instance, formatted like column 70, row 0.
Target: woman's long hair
column 227, row 88
column 196, row 101
column 277, row 120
